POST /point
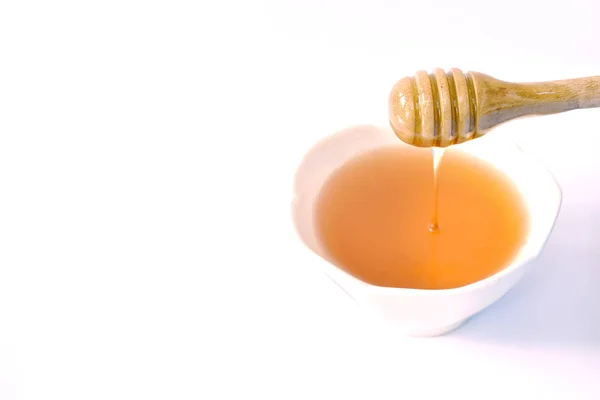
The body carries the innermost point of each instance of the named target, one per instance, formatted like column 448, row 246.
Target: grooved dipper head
column 433, row 110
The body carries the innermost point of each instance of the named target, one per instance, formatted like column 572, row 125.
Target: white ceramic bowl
column 418, row 312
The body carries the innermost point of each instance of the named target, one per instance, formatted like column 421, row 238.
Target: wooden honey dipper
column 441, row 109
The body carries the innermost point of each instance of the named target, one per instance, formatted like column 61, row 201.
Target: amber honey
column 374, row 214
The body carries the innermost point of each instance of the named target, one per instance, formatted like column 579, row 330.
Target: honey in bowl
column 374, row 213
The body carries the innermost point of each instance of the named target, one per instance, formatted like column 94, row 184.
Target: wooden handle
column 441, row 109
column 499, row 101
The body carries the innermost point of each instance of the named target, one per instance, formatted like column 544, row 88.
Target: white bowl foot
column 442, row 330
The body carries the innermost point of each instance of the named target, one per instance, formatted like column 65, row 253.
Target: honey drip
column 437, row 153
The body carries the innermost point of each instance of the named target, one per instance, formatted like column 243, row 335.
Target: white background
column 147, row 151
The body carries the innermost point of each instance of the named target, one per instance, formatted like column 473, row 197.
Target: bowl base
column 442, row 330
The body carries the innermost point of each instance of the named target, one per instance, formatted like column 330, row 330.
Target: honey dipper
column 441, row 109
